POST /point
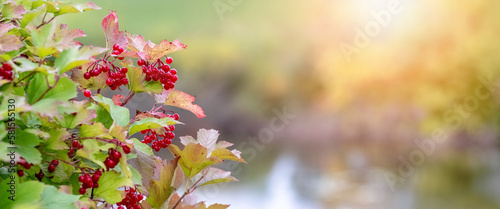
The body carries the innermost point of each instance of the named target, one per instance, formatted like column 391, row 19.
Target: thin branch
column 127, row 99
column 33, row 72
column 49, row 87
column 188, row 191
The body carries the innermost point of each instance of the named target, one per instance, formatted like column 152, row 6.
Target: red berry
column 176, row 116
column 105, row 68
column 124, row 81
column 51, row 168
column 75, row 144
column 173, row 71
column 123, row 70
column 169, row 60
column 116, row 47
column 20, row 173
column 95, row 178
column 87, row 93
column 156, row 77
column 6, row 67
column 55, row 162
column 116, row 155
column 120, row 207
column 141, row 62
column 121, row 58
column 82, row 191
column 86, row 75
column 95, row 72
column 174, row 78
column 165, row 68
column 71, row 152
column 126, row 149
column 144, row 131
column 96, row 185
column 81, row 178
column 110, row 81
column 148, row 78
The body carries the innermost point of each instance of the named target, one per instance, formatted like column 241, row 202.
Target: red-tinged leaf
column 181, row 100
column 140, row 48
column 65, row 38
column 13, row 11
column 161, row 189
column 214, row 206
column 8, row 42
column 111, row 31
column 116, row 99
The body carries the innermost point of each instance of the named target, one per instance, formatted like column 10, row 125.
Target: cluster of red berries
column 53, row 165
column 22, row 162
column 158, row 143
column 113, row 158
column 159, row 71
column 88, row 181
column 131, row 200
column 117, row 49
column 6, row 71
column 39, row 175
column 75, row 146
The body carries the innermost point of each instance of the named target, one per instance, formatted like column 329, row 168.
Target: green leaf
column 120, row 114
column 135, row 77
column 193, row 158
column 32, row 14
column 225, row 154
column 26, row 143
column 28, row 195
column 56, row 140
column 92, row 150
column 76, row 56
column 109, row 183
column 51, row 199
column 42, row 40
column 76, row 114
column 160, row 191
column 64, row 90
column 75, row 7
column 154, row 87
column 136, row 176
column 145, row 161
column 97, row 129
column 149, row 123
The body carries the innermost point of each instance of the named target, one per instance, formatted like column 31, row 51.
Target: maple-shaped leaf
column 139, row 48
column 193, row 158
column 181, row 100
column 111, row 31
column 94, row 83
column 13, row 11
column 109, row 183
column 8, row 42
column 51, row 39
column 75, row 115
column 208, row 139
column 65, row 37
column 116, row 99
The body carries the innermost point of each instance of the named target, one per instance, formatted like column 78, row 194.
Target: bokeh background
column 404, row 116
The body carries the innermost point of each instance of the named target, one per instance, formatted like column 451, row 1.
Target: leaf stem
column 192, row 188
column 127, row 99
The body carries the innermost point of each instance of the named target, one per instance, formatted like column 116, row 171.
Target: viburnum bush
column 61, row 152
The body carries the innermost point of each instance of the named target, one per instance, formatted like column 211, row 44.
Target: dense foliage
column 61, row 152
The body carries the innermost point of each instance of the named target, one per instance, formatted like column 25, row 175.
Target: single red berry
column 121, row 58
column 123, row 70
column 71, row 152
column 120, row 207
column 95, row 178
column 169, row 60
column 174, row 78
column 75, row 144
column 110, row 81
column 98, row 172
column 173, row 71
column 20, row 173
column 96, row 185
column 144, row 69
column 141, row 62
column 55, row 162
column 116, row 155
column 169, row 141
column 87, row 75
column 124, row 81
column 156, row 77
column 165, row 68
column 154, row 71
column 7, row 74
column 95, row 72
column 82, row 191
column 116, row 52
column 105, row 68
column 90, row 185
column 51, row 168
column 81, row 178
column 176, row 116
column 6, row 67
column 87, row 93
column 145, row 131
column 116, row 47
column 126, row 149
column 148, row 78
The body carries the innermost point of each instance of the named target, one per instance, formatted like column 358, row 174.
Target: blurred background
column 335, row 103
